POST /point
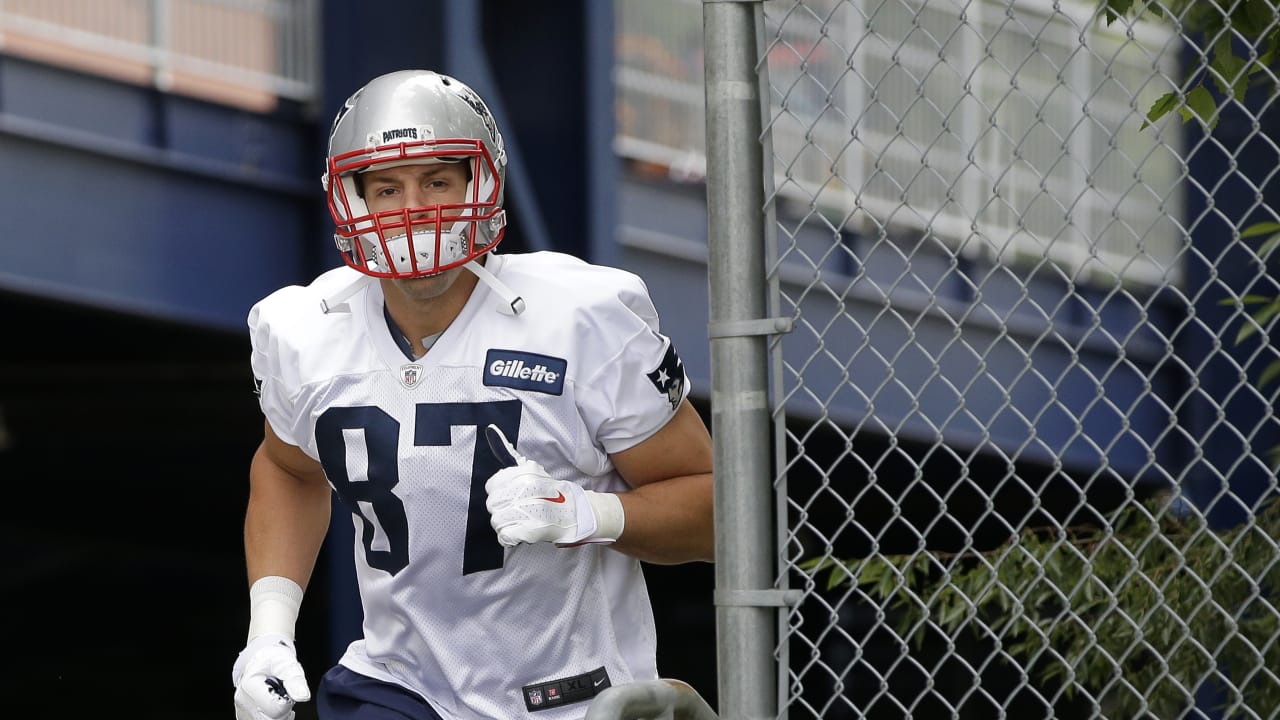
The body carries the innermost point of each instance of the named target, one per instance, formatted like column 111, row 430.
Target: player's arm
column 669, row 511
column 284, row 527
column 665, row 518
column 288, row 511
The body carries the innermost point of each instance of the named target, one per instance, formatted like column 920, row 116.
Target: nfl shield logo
column 535, row 697
column 410, row 375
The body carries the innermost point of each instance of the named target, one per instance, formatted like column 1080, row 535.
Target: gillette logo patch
column 525, row 371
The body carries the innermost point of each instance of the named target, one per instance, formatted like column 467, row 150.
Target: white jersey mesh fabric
column 448, row 612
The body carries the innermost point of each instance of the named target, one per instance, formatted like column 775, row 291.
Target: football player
column 511, row 434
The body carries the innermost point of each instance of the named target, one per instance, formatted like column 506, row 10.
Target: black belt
column 564, row 691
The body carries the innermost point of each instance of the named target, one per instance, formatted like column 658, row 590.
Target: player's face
column 419, row 186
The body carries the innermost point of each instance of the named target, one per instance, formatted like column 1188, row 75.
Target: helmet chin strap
column 512, row 304
column 338, row 299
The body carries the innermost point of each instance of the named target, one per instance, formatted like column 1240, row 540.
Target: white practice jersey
column 449, row 613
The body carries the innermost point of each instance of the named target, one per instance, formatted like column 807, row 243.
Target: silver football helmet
column 405, row 118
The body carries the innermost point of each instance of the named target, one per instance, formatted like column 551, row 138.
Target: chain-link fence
column 1020, row 292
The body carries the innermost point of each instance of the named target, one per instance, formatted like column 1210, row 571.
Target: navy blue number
column 432, row 426
column 381, row 436
column 481, row 550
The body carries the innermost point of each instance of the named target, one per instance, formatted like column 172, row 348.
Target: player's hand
column 527, row 505
column 268, row 679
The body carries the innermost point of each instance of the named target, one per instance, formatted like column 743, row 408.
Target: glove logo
column 559, row 498
column 277, row 687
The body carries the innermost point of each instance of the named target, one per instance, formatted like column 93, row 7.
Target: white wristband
column 273, row 606
column 610, row 519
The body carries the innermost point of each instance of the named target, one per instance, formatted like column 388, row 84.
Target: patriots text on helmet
column 409, row 133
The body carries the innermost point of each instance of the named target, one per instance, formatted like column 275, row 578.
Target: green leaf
column 1273, row 45
column 1260, row 318
column 1246, row 300
column 1260, row 228
column 814, row 565
column 1116, row 9
column 1160, row 108
column 837, row 577
column 1269, row 375
column 953, row 613
column 1266, row 248
column 870, row 572
column 1253, row 17
column 888, row 581
column 1228, row 69
column 1264, row 60
column 1199, row 103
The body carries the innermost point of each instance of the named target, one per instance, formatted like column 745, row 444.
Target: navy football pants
column 347, row 695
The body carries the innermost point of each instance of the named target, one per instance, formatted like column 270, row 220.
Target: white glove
column 527, row 505
column 268, row 679
column 267, row 675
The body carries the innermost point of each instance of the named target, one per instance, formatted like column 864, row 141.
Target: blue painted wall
column 1230, row 470
column 121, row 197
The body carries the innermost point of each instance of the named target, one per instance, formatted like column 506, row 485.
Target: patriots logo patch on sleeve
column 669, row 378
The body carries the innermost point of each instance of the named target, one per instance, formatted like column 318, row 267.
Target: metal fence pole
column 745, row 620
